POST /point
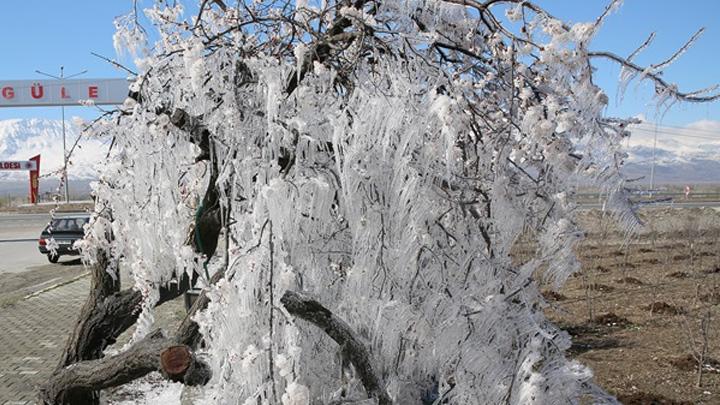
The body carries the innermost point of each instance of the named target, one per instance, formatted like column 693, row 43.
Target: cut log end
column 175, row 362
column 179, row 364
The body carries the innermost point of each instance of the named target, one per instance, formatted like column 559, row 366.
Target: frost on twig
column 663, row 89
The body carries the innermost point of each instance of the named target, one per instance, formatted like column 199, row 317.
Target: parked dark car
column 65, row 230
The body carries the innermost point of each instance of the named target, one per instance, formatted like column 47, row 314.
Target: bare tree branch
column 154, row 353
column 660, row 84
column 642, row 47
column 667, row 62
column 114, row 63
column 81, row 379
column 314, row 312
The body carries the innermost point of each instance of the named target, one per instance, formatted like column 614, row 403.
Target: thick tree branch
column 108, row 312
column 103, row 285
column 199, row 135
column 102, row 320
column 320, row 50
column 109, row 317
column 154, row 353
column 82, row 379
column 314, row 312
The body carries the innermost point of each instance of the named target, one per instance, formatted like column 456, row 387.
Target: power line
column 700, row 132
column 652, row 131
column 679, row 129
column 710, row 131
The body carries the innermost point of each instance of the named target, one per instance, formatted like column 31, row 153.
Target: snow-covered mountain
column 20, row 139
column 689, row 154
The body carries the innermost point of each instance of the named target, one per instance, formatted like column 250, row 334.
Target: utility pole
column 62, row 78
column 652, row 167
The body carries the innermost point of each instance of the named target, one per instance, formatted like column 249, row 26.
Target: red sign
column 33, row 165
column 34, row 179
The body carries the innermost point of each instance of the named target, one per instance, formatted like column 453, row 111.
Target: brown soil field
column 644, row 312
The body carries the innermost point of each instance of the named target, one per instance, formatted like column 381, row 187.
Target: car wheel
column 53, row 258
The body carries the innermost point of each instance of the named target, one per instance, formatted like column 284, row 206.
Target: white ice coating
column 405, row 194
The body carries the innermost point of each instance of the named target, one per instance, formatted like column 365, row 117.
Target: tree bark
column 142, row 358
column 353, row 349
column 106, row 314
column 66, row 386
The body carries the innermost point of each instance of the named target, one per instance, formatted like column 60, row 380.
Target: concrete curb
column 54, row 286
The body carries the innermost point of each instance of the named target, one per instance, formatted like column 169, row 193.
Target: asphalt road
column 18, row 241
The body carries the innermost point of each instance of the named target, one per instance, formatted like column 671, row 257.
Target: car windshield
column 69, row 224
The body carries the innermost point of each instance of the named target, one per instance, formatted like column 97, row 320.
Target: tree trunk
column 107, row 313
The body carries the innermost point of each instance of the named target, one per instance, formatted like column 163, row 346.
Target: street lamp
column 62, row 77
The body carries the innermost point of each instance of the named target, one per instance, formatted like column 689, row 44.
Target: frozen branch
column 642, row 47
column 612, row 6
column 314, row 312
column 660, row 84
column 199, row 135
column 678, row 53
column 320, row 49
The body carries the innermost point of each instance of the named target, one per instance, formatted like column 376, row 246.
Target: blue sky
column 674, row 24
column 44, row 34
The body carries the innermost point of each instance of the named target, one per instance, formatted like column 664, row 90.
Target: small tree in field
column 369, row 165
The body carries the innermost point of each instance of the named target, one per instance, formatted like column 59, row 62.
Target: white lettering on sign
column 18, row 165
column 32, row 93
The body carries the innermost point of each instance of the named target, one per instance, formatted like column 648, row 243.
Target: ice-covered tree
column 345, row 180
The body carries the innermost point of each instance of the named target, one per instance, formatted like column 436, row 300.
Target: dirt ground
column 644, row 312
